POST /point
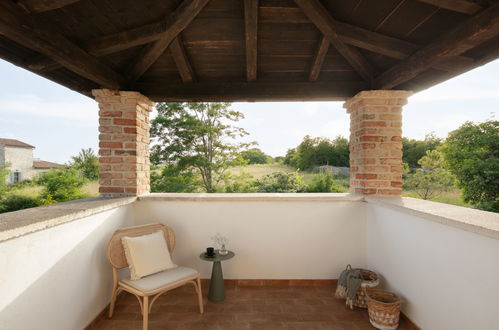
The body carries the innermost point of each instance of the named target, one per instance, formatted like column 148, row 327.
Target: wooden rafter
column 349, row 34
column 251, row 91
column 181, row 60
column 460, row 6
column 40, row 36
column 316, row 12
column 251, row 27
column 176, row 23
column 46, row 5
column 319, row 57
column 476, row 30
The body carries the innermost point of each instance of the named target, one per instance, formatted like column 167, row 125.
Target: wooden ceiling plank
column 460, row 6
column 250, row 91
column 176, row 23
column 320, row 55
column 46, row 5
column 251, row 35
column 472, row 32
column 181, row 60
column 314, row 10
column 40, row 36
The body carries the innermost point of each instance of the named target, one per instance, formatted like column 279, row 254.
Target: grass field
column 91, row 189
column 453, row 197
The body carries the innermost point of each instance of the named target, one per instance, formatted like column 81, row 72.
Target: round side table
column 217, row 288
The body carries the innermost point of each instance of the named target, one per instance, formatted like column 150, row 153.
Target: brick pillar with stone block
column 123, row 142
column 376, row 141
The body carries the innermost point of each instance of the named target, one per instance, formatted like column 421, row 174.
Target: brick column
column 376, row 141
column 123, row 142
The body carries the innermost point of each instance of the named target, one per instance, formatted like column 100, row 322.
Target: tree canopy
column 197, row 135
column 472, row 152
column 256, row 156
column 87, row 163
column 413, row 150
column 312, row 152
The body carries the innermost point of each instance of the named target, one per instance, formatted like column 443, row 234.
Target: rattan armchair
column 148, row 288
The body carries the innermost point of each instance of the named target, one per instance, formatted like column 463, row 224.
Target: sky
column 60, row 122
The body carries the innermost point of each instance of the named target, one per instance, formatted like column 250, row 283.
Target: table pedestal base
column 217, row 288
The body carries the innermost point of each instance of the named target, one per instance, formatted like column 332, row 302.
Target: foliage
column 432, row 178
column 87, row 163
column 174, row 179
column 323, row 183
column 196, row 135
column 256, row 156
column 313, row 152
column 242, row 183
column 472, row 152
column 4, row 172
column 413, row 150
column 61, row 185
column 16, row 202
column 280, row 182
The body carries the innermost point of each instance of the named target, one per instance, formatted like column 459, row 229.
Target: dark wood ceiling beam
column 460, row 6
column 250, row 91
column 474, row 31
column 181, row 60
column 251, row 35
column 316, row 12
column 176, row 23
column 40, row 36
column 319, row 57
column 46, row 5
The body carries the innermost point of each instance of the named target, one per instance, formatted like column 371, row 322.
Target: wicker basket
column 383, row 308
column 370, row 281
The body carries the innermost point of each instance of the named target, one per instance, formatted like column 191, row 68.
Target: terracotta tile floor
column 244, row 308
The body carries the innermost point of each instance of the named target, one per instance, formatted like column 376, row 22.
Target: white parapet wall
column 443, row 261
column 58, row 278
column 274, row 236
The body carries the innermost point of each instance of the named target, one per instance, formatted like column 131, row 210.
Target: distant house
column 18, row 156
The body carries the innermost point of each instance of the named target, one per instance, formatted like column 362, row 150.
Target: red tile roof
column 15, row 143
column 42, row 164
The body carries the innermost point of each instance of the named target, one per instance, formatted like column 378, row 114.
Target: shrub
column 17, row 202
column 323, row 183
column 174, row 179
column 279, row 182
column 62, row 185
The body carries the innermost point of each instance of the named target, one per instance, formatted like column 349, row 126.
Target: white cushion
column 158, row 280
column 147, row 254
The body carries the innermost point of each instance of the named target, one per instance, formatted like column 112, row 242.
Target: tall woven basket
column 370, row 280
column 383, row 308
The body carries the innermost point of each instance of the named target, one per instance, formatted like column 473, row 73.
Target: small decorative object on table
column 222, row 241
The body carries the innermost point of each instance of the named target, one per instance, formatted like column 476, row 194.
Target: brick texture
column 123, row 142
column 376, row 141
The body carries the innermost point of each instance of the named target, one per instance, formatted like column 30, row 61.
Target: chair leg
column 145, row 313
column 113, row 301
column 200, row 296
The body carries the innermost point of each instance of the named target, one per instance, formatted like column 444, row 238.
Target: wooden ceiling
column 249, row 50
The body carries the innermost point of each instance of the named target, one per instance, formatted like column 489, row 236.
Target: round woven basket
column 383, row 308
column 370, row 280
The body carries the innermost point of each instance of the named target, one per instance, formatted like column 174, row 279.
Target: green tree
column 413, row 150
column 174, row 179
column 472, row 152
column 256, row 156
column 312, row 152
column 87, row 163
column 432, row 178
column 197, row 135
column 61, row 185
